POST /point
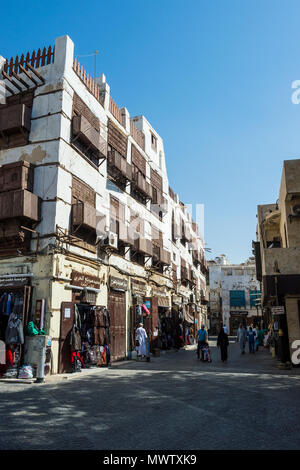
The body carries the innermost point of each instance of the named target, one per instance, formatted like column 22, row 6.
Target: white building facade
column 234, row 293
column 96, row 226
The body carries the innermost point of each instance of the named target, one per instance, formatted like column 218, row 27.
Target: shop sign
column 138, row 288
column 156, row 292
column 237, row 313
column 85, row 280
column 161, row 295
column 163, row 301
column 278, row 310
column 13, row 281
column 118, row 283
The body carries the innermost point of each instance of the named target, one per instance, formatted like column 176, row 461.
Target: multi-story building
column 277, row 252
column 234, row 294
column 88, row 219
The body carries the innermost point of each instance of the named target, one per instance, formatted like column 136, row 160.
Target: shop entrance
column 66, row 325
column 168, row 332
column 15, row 302
column 117, row 310
column 235, row 320
column 84, row 335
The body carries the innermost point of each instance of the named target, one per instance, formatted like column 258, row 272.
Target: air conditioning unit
column 296, row 210
column 111, row 240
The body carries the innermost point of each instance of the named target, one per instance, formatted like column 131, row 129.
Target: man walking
column 241, row 337
column 202, row 335
column 251, row 340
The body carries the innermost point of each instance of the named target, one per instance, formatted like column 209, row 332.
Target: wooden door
column 66, row 325
column 117, row 310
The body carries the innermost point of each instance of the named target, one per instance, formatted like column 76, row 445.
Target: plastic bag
column 26, row 372
column 31, row 329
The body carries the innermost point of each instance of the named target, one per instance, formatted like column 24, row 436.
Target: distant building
column 234, row 294
column 277, row 252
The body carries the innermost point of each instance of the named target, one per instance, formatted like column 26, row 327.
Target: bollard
column 41, row 362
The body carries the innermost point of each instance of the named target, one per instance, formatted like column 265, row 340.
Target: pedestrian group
column 255, row 337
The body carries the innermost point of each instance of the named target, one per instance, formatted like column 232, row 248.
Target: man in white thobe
column 141, row 336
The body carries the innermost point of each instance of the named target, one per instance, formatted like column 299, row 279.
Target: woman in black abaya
column 223, row 344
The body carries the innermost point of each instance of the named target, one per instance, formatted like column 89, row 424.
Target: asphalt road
column 173, row 402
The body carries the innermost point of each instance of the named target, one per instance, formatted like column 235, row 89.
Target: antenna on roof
column 90, row 55
column 96, row 52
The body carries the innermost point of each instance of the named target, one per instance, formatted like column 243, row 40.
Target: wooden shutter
column 82, row 192
column 117, row 139
column 138, row 160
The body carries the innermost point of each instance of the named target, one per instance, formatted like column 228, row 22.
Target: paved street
column 173, row 402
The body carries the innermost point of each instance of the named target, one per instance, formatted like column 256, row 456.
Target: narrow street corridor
column 173, row 402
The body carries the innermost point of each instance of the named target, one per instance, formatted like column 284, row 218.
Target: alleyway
column 173, row 402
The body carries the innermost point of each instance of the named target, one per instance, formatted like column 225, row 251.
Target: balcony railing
column 115, row 110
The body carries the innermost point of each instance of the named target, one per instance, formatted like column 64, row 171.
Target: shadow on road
column 157, row 405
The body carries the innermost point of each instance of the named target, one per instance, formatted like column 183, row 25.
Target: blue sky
column 212, row 76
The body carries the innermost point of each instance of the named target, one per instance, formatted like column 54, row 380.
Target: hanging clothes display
column 101, row 326
column 14, row 331
column 75, row 338
column 90, row 337
column 13, row 313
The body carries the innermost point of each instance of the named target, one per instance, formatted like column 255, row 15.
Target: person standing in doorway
column 223, row 344
column 251, row 340
column 202, row 336
column 141, row 336
column 242, row 337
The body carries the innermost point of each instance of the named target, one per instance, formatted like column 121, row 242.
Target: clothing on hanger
column 14, row 331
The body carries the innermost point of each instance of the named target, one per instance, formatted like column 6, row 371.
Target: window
column 250, row 272
column 153, row 142
column 238, row 272
column 237, row 298
column 228, row 272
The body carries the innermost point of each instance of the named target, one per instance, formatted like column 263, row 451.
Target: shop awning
column 188, row 317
